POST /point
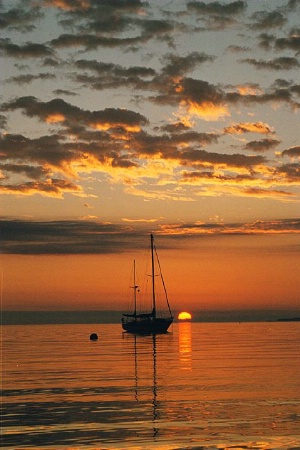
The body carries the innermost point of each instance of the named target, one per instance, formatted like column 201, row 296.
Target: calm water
column 202, row 386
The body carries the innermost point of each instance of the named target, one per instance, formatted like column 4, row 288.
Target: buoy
column 93, row 337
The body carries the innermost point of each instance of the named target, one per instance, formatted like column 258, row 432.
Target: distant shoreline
column 292, row 319
column 109, row 316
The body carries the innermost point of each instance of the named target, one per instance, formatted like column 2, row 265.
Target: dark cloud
column 150, row 144
column 177, row 127
column 51, row 62
column 291, row 42
column 111, row 69
column 259, row 192
column 293, row 4
column 262, row 146
column 28, row 50
column 263, row 20
column 57, row 110
column 175, row 65
column 52, row 187
column 216, row 8
column 34, row 172
column 65, row 237
column 217, row 15
column 210, row 175
column 290, row 171
column 190, row 90
column 234, row 160
column 266, row 40
column 293, row 152
column 282, row 95
column 64, row 92
column 3, row 121
column 91, row 237
column 56, row 151
column 281, row 63
column 92, row 42
column 110, row 75
column 28, row 78
column 238, row 49
column 21, row 19
column 99, row 21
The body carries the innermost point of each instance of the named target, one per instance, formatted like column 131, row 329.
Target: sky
column 123, row 118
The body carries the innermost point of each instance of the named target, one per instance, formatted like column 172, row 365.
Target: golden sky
column 121, row 119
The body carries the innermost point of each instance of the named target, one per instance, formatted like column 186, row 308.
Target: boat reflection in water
column 185, row 345
column 145, row 379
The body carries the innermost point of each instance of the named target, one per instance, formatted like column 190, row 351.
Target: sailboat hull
column 147, row 326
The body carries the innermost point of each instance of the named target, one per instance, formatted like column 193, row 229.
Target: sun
column 184, row 316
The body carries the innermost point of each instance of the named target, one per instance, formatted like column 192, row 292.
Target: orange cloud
column 252, row 228
column 104, row 126
column 206, row 110
column 249, row 127
column 50, row 188
column 125, row 219
column 63, row 4
column 249, row 90
column 54, row 118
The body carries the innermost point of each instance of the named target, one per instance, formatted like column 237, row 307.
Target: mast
column 134, row 287
column 153, row 275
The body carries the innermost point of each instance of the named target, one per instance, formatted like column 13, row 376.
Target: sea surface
column 201, row 386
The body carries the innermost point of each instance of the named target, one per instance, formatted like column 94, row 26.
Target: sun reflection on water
column 185, row 345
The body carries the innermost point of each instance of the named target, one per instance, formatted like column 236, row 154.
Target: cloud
column 25, row 79
column 68, row 5
column 233, row 160
column 291, row 42
column 171, row 138
column 263, row 145
column 293, row 152
column 267, row 193
column 263, row 20
column 94, row 237
column 281, row 63
column 20, row 18
column 217, row 8
column 216, row 14
column 57, row 110
column 63, row 237
column 51, row 188
column 213, row 229
column 291, row 172
column 28, row 50
column 248, row 127
column 92, row 42
column 200, row 98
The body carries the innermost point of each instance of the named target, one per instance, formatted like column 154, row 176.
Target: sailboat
column 151, row 322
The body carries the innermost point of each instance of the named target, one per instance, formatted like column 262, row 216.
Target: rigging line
column 163, row 282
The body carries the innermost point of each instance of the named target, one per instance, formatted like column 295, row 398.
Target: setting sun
column 184, row 316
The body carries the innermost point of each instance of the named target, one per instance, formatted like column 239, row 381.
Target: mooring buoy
column 93, row 337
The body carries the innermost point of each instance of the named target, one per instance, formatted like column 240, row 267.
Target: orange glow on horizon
column 184, row 316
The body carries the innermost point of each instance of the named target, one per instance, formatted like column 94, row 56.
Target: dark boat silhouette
column 152, row 322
